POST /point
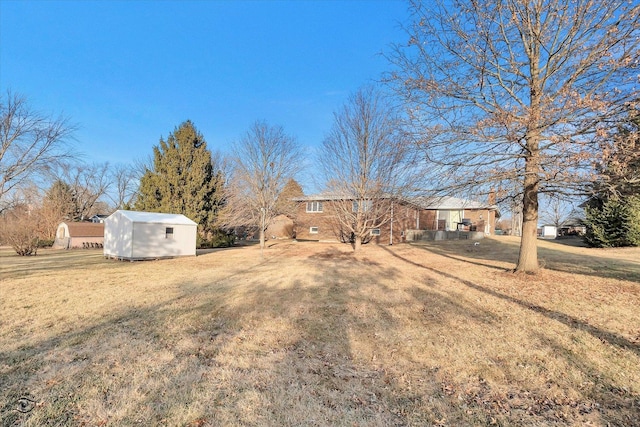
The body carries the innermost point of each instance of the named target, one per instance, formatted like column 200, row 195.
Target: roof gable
column 155, row 217
column 85, row 229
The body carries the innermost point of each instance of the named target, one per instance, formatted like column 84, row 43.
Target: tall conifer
column 182, row 179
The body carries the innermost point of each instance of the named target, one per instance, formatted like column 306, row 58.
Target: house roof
column 85, row 229
column 448, row 202
column 155, row 217
column 438, row 202
column 321, row 197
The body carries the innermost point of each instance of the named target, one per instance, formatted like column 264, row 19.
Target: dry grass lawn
column 438, row 334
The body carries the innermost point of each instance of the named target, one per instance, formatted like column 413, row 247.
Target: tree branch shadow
column 493, row 250
column 570, row 321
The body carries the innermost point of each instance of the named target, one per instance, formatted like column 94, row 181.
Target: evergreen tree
column 613, row 212
column 284, row 204
column 182, row 179
column 58, row 204
column 60, row 201
column 613, row 222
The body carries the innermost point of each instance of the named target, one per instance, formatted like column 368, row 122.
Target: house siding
column 405, row 217
column 325, row 221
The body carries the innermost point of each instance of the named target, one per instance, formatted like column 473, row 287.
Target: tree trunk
column 357, row 239
column 262, row 231
column 528, row 258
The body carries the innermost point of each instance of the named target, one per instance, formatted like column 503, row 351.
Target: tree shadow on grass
column 51, row 260
column 613, row 404
column 241, row 349
column 487, row 252
column 205, row 348
column 617, row 403
column 575, row 323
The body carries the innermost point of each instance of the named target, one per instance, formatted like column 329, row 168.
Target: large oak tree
column 513, row 94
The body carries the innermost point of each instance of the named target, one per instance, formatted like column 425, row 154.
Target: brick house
column 316, row 217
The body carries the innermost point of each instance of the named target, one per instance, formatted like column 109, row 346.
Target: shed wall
column 151, row 240
column 117, row 237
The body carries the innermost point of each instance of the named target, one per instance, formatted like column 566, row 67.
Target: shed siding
column 118, row 237
column 150, row 240
column 143, row 235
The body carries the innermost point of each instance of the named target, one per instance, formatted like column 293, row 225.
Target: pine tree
column 613, row 222
column 284, row 204
column 613, row 213
column 182, row 179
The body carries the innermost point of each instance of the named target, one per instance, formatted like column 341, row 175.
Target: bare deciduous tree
column 19, row 229
column 125, row 181
column 365, row 159
column 513, row 94
column 88, row 183
column 264, row 159
column 558, row 212
column 30, row 143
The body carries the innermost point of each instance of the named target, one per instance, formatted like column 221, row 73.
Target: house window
column 313, row 230
column 375, row 231
column 314, row 206
column 364, row 206
column 168, row 233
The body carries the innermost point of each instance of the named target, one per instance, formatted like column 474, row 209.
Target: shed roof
column 85, row 229
column 155, row 217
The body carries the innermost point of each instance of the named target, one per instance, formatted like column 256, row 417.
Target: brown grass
column 438, row 334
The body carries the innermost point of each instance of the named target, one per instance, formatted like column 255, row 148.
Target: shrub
column 45, row 243
column 19, row 229
column 216, row 239
column 613, row 222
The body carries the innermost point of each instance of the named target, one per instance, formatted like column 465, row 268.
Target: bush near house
column 215, row 239
column 613, row 222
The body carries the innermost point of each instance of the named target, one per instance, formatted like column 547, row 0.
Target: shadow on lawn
column 14, row 266
column 550, row 258
column 606, row 336
column 242, row 350
column 204, row 348
column 618, row 406
column 620, row 403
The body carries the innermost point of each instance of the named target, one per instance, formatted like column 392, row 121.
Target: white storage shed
column 135, row 235
column 548, row 232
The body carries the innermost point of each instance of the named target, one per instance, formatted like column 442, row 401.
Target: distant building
column 98, row 219
column 548, row 232
column 316, row 217
column 132, row 235
column 79, row 235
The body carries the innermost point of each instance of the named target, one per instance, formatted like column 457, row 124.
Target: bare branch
column 264, row 159
column 30, row 143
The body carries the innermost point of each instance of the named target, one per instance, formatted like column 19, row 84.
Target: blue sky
column 128, row 72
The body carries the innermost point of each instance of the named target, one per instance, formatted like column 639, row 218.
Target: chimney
column 492, row 197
